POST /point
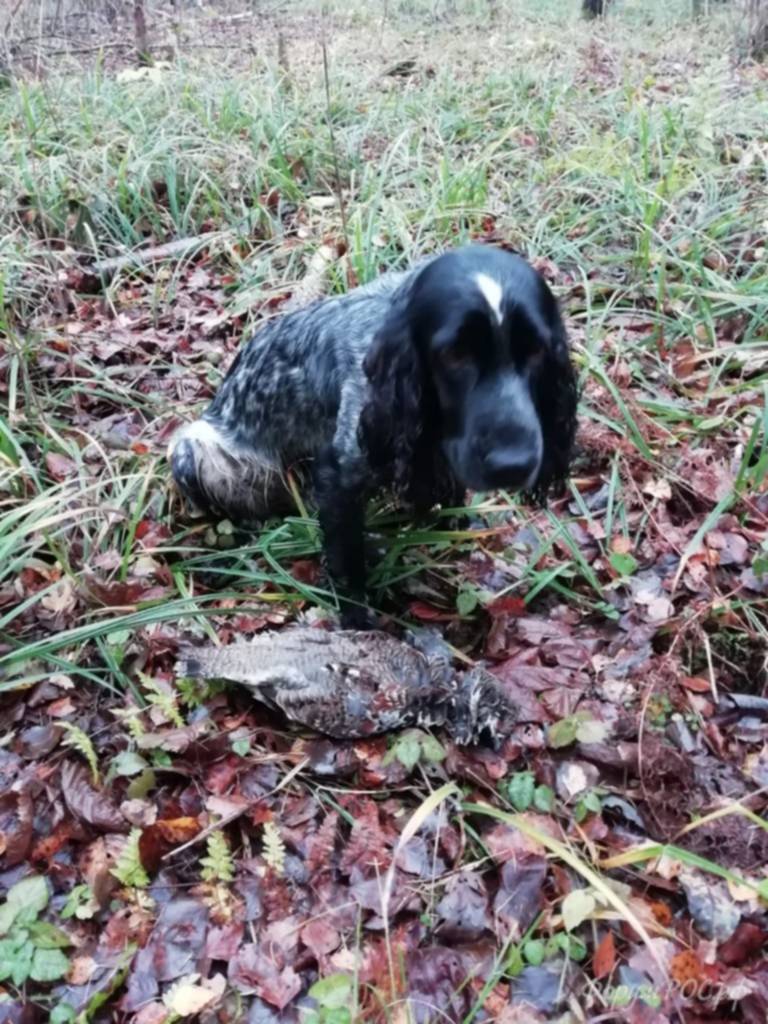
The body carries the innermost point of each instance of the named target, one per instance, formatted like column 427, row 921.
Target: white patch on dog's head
column 491, row 292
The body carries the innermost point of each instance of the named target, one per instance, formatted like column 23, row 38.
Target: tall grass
column 621, row 153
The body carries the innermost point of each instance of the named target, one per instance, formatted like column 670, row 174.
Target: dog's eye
column 454, row 357
column 528, row 352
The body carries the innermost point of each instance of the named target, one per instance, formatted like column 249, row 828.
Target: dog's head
column 472, row 365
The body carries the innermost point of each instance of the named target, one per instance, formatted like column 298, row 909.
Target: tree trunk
column 140, row 29
column 756, row 28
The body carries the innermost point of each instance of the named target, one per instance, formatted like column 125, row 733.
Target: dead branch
column 153, row 254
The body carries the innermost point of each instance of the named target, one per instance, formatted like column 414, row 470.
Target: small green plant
column 81, row 742
column 80, row 903
column 30, row 949
column 588, row 803
column 131, row 718
column 217, row 865
column 760, row 561
column 413, row 746
column 164, row 698
column 129, row 870
column 335, row 997
column 580, row 726
column 467, row 599
column 274, row 847
column 623, row 562
column 126, row 764
column 193, row 693
column 523, row 793
column 659, row 710
column 533, row 952
column 241, row 745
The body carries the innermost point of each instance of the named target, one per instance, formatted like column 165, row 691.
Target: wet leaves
column 203, row 859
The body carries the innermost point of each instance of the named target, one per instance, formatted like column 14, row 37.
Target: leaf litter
column 187, row 853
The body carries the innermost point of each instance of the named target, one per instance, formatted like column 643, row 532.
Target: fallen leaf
column 577, row 907
column 463, row 910
column 604, row 959
column 60, row 466
column 85, row 802
column 685, row 967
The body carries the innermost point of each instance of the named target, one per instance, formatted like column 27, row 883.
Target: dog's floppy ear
column 399, row 420
column 556, row 395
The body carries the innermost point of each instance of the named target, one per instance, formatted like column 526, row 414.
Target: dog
column 454, row 375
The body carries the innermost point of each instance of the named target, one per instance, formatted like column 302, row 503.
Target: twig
column 11, row 17
column 152, row 254
column 118, row 44
column 710, row 666
column 237, row 812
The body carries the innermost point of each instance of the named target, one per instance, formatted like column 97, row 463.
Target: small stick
column 152, row 254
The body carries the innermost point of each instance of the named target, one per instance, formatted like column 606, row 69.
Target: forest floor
column 175, row 851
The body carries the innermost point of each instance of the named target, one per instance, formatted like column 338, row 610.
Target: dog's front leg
column 341, row 500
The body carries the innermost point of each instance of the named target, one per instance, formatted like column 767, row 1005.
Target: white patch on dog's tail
column 216, row 473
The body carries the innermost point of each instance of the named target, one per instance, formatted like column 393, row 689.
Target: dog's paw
column 355, row 616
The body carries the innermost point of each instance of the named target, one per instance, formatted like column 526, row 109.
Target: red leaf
column 509, row 605
column 604, row 959
column 152, row 534
column 159, row 839
column 250, row 972
column 221, row 775
column 152, row 848
column 305, row 571
column 746, row 941
column 320, row 937
column 223, row 943
column 696, row 683
column 427, row 613
column 16, row 827
column 120, row 593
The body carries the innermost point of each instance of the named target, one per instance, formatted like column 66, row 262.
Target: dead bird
column 349, row 684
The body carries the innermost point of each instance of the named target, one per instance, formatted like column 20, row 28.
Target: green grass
column 620, row 157
column 630, row 158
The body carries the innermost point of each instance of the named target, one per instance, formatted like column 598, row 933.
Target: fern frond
column 274, row 848
column 129, row 870
column 217, row 865
column 81, row 742
column 159, row 694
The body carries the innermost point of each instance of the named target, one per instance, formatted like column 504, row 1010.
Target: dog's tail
column 216, row 473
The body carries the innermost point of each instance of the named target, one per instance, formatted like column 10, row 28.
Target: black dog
column 452, row 375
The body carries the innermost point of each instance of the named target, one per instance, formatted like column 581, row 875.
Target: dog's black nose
column 510, row 467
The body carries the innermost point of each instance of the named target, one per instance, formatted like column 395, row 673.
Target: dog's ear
column 399, row 420
column 556, row 395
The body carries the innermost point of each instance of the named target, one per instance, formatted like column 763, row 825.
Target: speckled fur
column 295, row 388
